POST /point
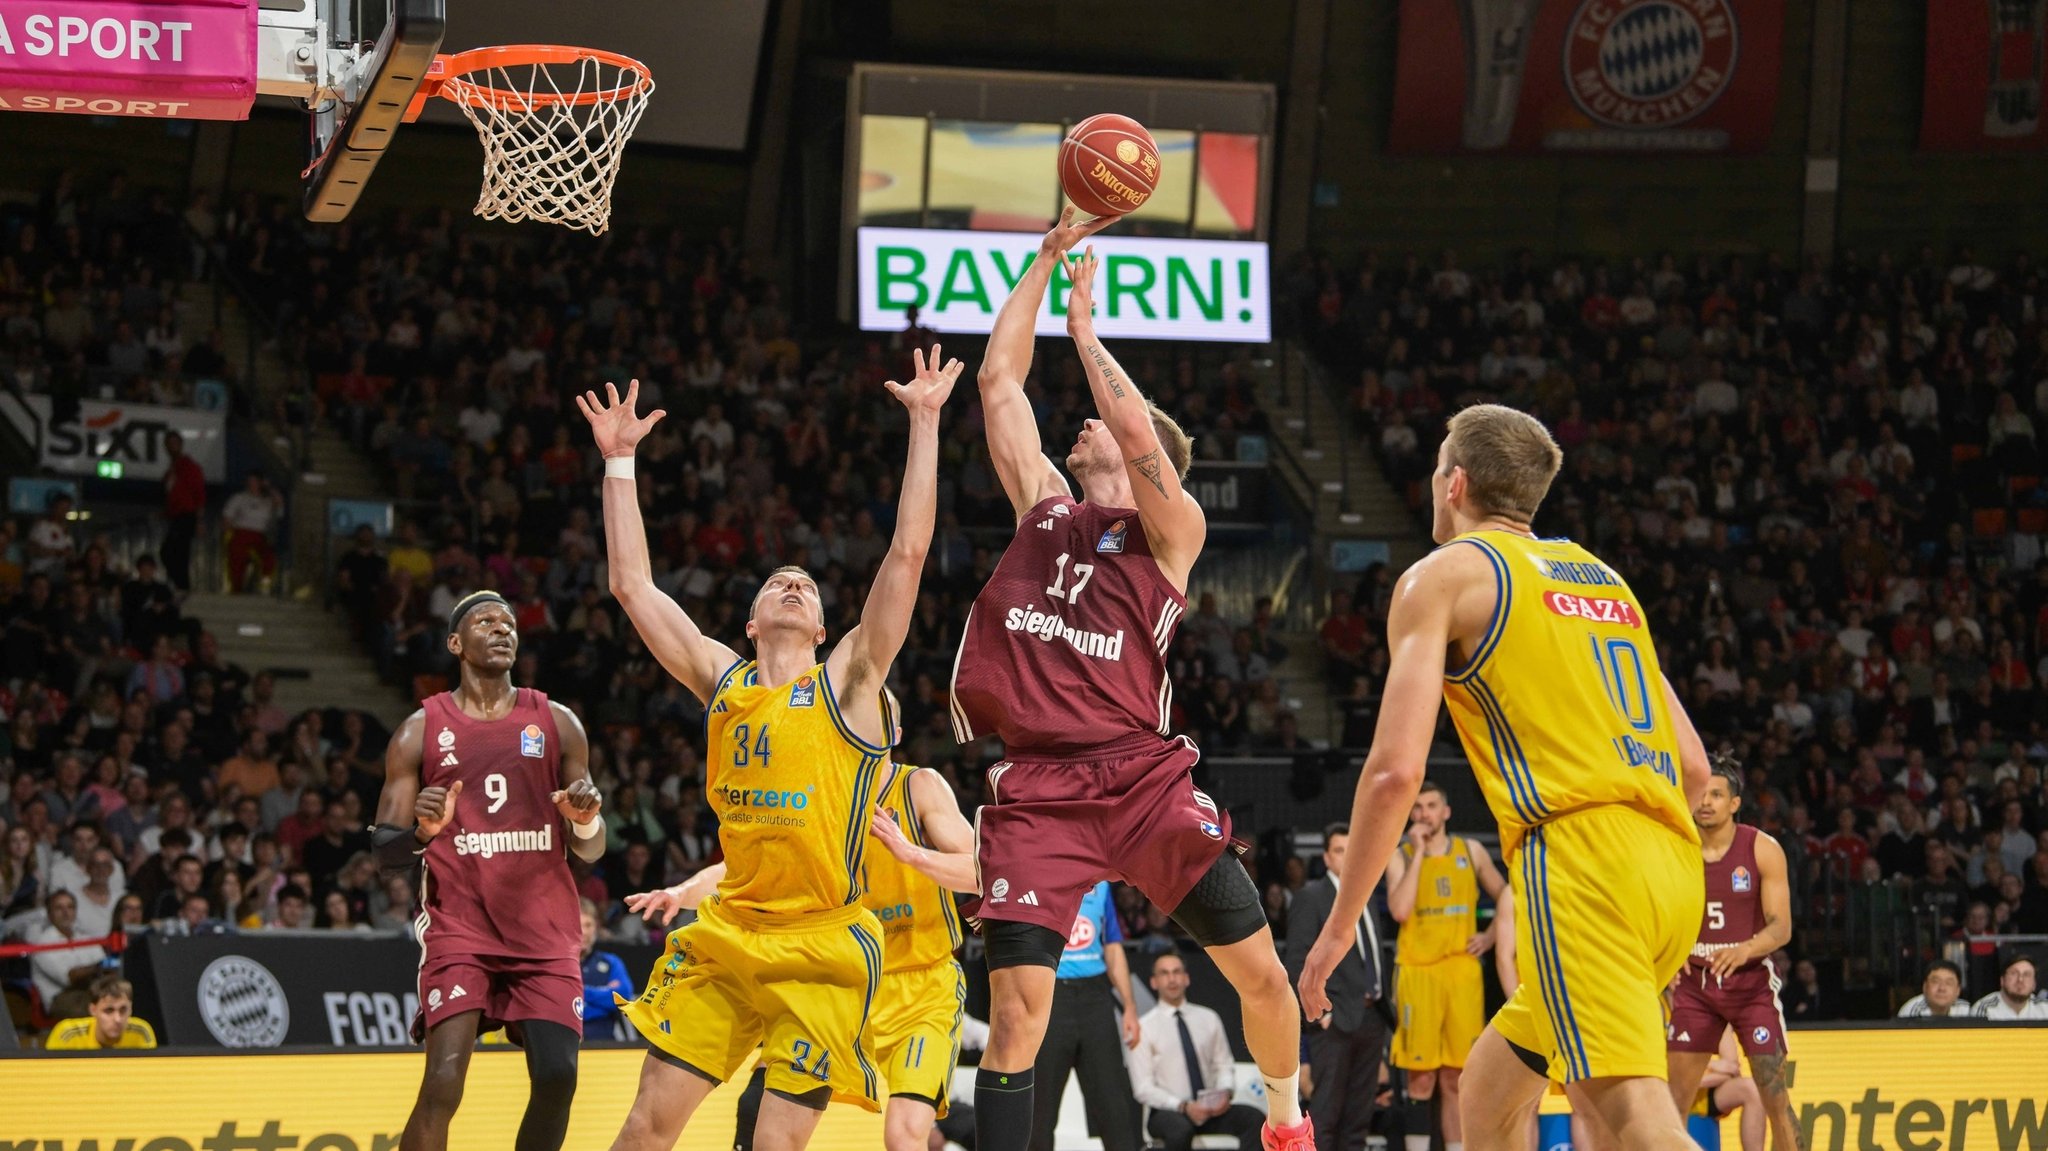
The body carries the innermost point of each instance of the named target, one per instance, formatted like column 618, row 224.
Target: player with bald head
column 499, row 925
column 783, row 956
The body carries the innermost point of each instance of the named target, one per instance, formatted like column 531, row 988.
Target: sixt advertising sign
column 1148, row 289
column 96, row 435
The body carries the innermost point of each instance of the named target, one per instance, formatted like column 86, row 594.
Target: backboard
column 356, row 64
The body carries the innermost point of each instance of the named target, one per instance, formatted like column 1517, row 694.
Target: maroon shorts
column 1052, row 829
column 506, row 990
column 1701, row 1006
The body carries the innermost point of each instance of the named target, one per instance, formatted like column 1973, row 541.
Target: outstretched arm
column 1693, row 767
column 861, row 661
column 667, row 630
column 1418, row 633
column 1013, row 444
column 1173, row 520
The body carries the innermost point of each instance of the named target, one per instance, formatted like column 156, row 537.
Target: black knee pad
column 1417, row 1117
column 748, row 1112
column 815, row 1098
column 1012, row 944
column 551, row 1058
column 1223, row 907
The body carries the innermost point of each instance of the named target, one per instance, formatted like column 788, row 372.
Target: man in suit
column 1346, row 1045
column 1182, row 1069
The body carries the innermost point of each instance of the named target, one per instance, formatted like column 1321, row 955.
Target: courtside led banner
column 332, row 1103
column 1148, row 289
column 1982, row 91
column 1534, row 76
column 185, row 59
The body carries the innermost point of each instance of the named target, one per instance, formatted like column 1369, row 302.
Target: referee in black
column 1082, row 1034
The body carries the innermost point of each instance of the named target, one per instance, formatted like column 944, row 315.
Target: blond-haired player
column 1433, row 887
column 784, row 957
column 1589, row 765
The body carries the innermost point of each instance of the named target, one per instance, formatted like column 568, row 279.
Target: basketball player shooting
column 1730, row 982
column 1591, row 769
column 1064, row 657
column 783, row 956
column 499, row 927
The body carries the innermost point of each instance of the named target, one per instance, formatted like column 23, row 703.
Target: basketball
column 1109, row 165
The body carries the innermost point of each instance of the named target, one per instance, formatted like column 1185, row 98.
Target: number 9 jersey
column 1561, row 705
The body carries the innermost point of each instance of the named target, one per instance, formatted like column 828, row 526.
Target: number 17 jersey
column 1560, row 705
column 1065, row 650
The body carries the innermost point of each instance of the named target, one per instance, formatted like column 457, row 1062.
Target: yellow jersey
column 1446, row 911
column 792, row 786
column 920, row 922
column 78, row 1035
column 1561, row 704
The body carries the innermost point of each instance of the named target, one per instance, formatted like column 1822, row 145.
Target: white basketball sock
column 1283, row 1099
column 1416, row 1142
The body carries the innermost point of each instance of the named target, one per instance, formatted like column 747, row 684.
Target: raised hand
column 1081, row 300
column 612, row 420
column 928, row 389
column 1067, row 233
column 883, row 826
column 649, row 904
column 579, row 802
column 434, row 809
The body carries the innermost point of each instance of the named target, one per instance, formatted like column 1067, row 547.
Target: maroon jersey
column 496, row 880
column 1735, row 906
column 1065, row 649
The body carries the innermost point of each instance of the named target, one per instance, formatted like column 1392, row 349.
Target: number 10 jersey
column 1065, row 649
column 1561, row 704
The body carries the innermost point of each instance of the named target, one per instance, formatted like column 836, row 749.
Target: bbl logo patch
column 1112, row 541
column 804, row 692
column 533, row 743
column 1738, row 879
column 1649, row 63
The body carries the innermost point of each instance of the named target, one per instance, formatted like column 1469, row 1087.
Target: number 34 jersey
column 1065, row 649
column 792, row 786
column 1561, row 704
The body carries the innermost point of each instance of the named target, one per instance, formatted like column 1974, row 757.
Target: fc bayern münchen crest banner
column 1539, row 76
column 1985, row 60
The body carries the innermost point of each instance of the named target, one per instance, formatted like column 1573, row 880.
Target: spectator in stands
column 1344, row 636
column 2014, row 1000
column 159, row 676
column 187, row 878
column 61, row 973
column 111, row 1025
column 292, row 908
column 1939, row 994
column 21, row 887
column 99, row 894
column 253, row 772
column 604, row 975
column 184, row 499
column 251, row 515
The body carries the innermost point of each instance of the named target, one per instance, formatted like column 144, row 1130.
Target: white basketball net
column 553, row 137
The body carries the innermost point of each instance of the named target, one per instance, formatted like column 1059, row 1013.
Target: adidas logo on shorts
column 1030, row 897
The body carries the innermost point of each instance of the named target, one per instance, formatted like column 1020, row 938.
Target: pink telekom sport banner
column 189, row 59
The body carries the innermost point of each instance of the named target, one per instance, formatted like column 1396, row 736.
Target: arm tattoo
column 1148, row 466
column 1108, row 373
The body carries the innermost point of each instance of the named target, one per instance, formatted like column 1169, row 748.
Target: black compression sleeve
column 396, row 849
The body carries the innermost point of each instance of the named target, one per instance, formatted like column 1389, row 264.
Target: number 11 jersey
column 1065, row 650
column 1561, row 705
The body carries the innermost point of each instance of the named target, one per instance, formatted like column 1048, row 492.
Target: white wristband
column 618, row 467
column 595, row 827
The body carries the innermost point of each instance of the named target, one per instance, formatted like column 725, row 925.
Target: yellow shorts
column 802, row 993
column 1607, row 905
column 1439, row 1011
column 916, row 1028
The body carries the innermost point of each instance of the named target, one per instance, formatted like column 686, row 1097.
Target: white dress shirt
column 51, row 967
column 1159, row 1068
